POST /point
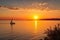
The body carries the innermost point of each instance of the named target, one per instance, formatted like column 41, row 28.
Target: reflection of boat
column 12, row 22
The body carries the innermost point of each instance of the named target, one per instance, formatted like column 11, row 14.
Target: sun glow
column 36, row 17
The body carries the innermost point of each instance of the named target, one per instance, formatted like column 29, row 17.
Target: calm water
column 24, row 30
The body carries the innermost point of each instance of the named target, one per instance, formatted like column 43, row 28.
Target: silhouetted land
column 51, row 19
column 53, row 34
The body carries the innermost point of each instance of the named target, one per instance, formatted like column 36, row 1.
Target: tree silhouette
column 53, row 34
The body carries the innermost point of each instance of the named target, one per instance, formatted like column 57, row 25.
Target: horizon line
column 57, row 19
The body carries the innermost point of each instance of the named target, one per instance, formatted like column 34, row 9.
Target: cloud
column 35, row 5
column 41, row 6
column 46, row 6
column 11, row 8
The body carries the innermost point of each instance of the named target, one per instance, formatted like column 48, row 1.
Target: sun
column 35, row 17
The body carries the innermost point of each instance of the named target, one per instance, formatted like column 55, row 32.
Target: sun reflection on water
column 36, row 28
column 35, row 25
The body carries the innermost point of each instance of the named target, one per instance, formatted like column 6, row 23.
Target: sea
column 25, row 30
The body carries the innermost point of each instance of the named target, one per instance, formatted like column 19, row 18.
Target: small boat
column 12, row 22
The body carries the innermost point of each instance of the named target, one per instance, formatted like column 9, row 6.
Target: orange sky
column 28, row 8
column 29, row 13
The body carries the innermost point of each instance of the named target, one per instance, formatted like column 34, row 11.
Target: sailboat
column 12, row 22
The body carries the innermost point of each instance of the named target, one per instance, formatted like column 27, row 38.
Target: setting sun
column 36, row 17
